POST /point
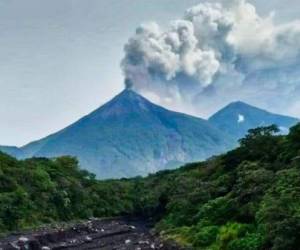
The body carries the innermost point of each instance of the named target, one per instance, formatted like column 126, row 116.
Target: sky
column 61, row 59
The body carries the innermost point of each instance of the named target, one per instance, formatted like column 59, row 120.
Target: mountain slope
column 238, row 117
column 11, row 150
column 130, row 136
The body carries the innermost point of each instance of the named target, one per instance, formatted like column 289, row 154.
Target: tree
column 262, row 144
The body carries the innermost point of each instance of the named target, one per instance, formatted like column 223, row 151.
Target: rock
column 34, row 245
column 23, row 239
column 73, row 241
column 144, row 242
column 13, row 246
column 88, row 239
column 128, row 241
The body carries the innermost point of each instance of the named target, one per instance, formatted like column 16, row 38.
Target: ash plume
column 212, row 55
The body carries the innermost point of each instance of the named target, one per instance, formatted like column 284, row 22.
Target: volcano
column 130, row 136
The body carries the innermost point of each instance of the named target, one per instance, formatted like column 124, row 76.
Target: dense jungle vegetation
column 248, row 198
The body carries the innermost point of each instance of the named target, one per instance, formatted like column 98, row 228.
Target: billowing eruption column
column 212, row 49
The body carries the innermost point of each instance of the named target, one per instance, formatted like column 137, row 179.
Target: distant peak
column 126, row 102
column 239, row 109
column 128, row 91
column 129, row 94
column 238, row 103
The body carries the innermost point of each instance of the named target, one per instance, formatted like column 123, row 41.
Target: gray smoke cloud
column 215, row 54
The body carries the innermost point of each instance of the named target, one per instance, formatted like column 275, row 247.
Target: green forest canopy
column 248, row 198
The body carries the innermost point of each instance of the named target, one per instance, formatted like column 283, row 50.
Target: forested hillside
column 248, row 198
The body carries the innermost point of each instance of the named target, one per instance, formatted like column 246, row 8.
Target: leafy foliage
column 248, row 198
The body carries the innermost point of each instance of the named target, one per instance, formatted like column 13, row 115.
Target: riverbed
column 104, row 234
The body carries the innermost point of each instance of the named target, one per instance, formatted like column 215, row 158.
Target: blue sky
column 61, row 58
